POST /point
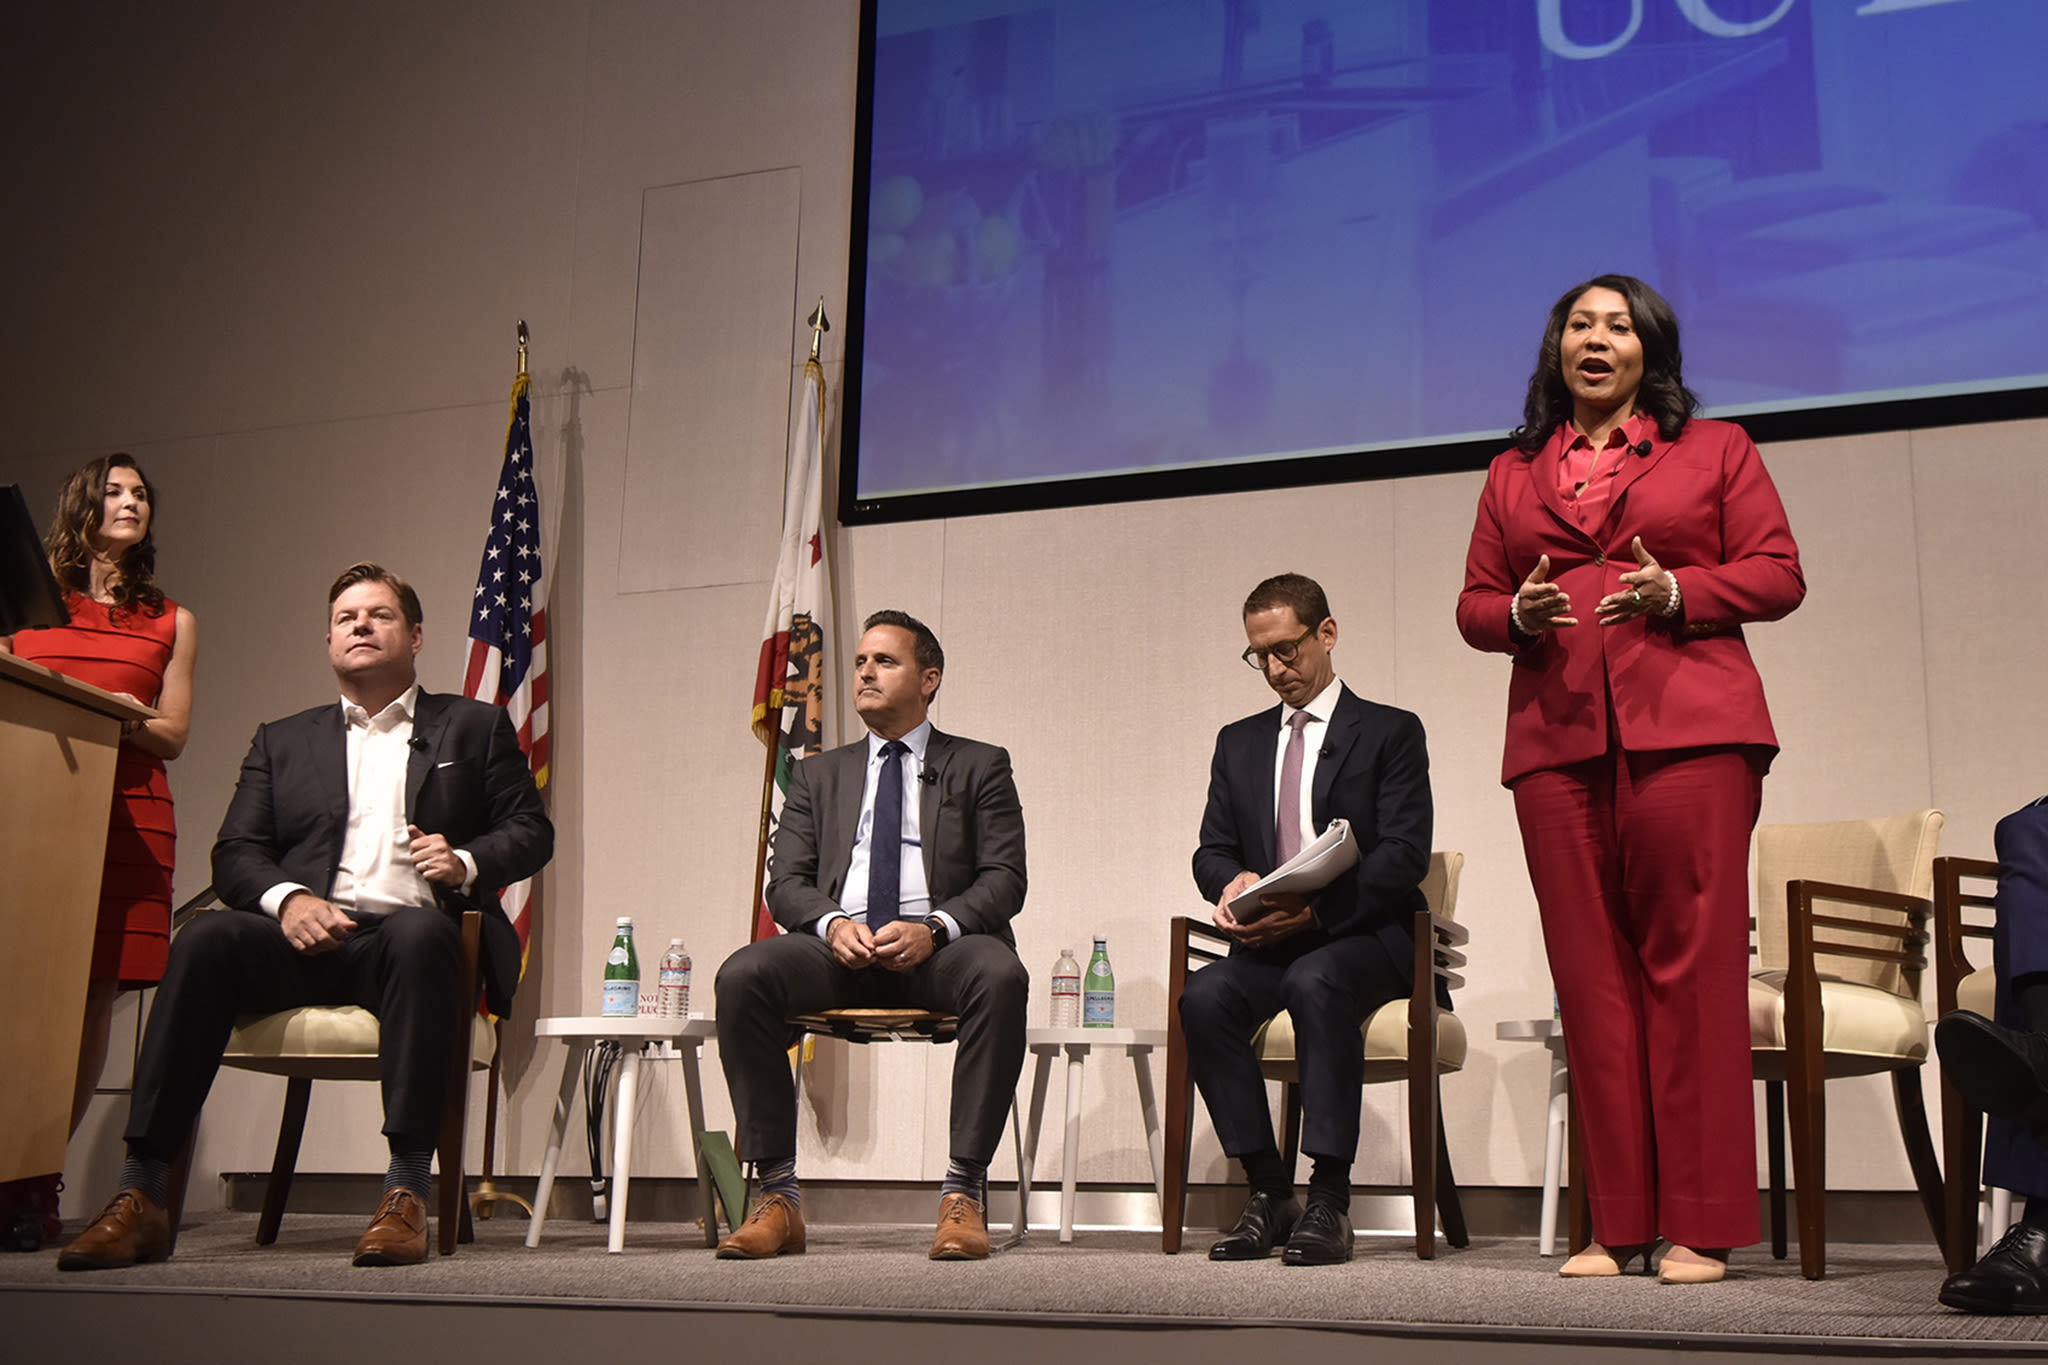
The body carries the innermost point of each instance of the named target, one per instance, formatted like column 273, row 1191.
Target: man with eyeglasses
column 1278, row 779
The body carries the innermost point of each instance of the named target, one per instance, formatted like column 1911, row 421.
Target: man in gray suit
column 917, row 918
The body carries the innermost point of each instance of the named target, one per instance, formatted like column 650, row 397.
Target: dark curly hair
column 69, row 543
column 1663, row 393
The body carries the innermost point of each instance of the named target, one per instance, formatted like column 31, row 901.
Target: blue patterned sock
column 779, row 1177
column 966, row 1177
column 413, row 1171
column 151, row 1176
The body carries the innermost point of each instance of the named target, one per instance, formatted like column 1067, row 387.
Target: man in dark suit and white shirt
column 358, row 834
column 899, row 863
column 1278, row 779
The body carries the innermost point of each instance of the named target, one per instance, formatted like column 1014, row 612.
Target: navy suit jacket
column 466, row 780
column 1375, row 774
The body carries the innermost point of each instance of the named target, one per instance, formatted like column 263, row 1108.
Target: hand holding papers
column 1333, row 853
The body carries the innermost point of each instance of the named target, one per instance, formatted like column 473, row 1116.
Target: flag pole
column 487, row 1193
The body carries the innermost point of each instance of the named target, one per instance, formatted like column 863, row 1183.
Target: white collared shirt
column 914, row 897
column 1320, row 708
column 376, row 874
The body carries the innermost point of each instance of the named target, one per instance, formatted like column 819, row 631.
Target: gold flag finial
column 522, row 345
column 819, row 325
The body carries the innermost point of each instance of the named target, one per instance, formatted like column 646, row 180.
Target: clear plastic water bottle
column 1098, row 993
column 675, row 982
column 622, row 975
column 1066, row 991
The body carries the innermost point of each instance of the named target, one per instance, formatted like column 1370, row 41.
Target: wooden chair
column 1958, row 986
column 1412, row 1040
column 909, row 1026
column 339, row 1043
column 1857, row 1016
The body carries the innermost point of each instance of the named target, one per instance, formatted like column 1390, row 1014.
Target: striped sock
column 413, row 1171
column 779, row 1177
column 151, row 1176
column 966, row 1177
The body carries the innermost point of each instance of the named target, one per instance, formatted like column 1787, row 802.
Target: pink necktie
column 1287, row 825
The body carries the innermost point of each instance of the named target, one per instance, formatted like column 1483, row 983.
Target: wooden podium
column 58, row 738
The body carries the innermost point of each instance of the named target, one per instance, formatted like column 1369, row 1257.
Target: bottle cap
column 625, row 921
column 1066, row 952
column 1101, row 939
column 675, row 943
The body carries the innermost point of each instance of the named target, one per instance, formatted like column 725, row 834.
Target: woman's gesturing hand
column 1645, row 591
column 1540, row 604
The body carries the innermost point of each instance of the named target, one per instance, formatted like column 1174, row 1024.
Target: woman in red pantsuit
column 125, row 636
column 1619, row 548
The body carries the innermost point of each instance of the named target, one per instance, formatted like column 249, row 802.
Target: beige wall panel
column 1847, row 696
column 709, row 428
column 1981, row 500
column 309, row 220
column 686, row 92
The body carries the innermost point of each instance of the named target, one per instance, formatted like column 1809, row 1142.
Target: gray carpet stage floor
column 1876, row 1298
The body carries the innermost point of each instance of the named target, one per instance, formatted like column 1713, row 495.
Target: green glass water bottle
column 622, row 975
column 1098, row 990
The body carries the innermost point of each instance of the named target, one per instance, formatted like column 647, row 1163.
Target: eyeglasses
column 1285, row 651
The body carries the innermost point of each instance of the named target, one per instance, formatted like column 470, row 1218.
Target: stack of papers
column 1333, row 854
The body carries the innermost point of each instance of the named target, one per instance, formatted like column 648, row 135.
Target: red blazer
column 1707, row 511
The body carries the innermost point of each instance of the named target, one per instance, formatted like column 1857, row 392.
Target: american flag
column 508, row 623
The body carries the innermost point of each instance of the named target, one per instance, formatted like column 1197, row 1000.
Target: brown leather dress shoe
column 398, row 1234
column 774, row 1228
column 130, row 1228
column 963, row 1231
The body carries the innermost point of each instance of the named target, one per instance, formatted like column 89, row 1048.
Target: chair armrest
column 1188, row 927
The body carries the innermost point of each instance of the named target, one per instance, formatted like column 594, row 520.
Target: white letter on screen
column 1550, row 27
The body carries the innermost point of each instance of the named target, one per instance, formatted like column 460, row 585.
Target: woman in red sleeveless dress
column 125, row 636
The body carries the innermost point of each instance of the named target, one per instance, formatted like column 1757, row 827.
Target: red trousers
column 1641, row 867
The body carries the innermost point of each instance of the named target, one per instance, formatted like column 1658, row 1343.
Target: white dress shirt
column 376, row 875
column 1320, row 708
column 914, row 897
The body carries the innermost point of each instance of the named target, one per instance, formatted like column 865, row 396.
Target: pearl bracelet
column 1671, row 607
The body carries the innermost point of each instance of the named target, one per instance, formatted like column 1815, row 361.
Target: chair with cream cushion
column 1412, row 1039
column 1959, row 986
column 339, row 1043
column 1842, row 912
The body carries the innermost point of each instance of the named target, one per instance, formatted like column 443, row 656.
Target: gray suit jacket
column 970, row 821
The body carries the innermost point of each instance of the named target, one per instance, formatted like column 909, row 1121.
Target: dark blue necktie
column 885, row 840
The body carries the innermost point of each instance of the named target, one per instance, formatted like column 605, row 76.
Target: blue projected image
column 1107, row 236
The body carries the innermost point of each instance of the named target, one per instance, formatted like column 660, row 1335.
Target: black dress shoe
column 1264, row 1224
column 2012, row 1277
column 2002, row 1071
column 1322, row 1237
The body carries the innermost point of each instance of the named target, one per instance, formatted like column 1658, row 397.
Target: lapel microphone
column 1323, row 752
column 1642, row 447
column 929, row 777
column 416, row 744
